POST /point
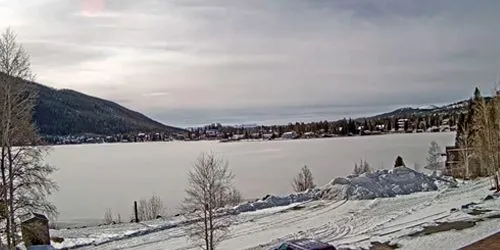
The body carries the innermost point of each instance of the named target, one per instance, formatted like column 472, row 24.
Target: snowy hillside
column 413, row 221
column 453, row 108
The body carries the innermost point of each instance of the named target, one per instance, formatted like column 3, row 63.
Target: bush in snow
column 108, row 217
column 303, row 181
column 362, row 168
column 229, row 197
column 150, row 209
column 234, row 197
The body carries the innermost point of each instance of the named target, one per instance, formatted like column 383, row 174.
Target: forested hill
column 68, row 112
column 450, row 109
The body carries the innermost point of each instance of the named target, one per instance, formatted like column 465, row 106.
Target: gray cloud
column 252, row 60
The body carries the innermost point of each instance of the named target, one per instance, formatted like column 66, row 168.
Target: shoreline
column 219, row 140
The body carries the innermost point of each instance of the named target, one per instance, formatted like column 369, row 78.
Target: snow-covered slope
column 344, row 223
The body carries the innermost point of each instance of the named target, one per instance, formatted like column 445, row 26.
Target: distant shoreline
column 244, row 140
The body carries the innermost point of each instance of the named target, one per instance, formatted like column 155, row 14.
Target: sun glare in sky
column 93, row 6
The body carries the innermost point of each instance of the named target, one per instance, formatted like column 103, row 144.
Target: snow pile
column 277, row 201
column 381, row 183
column 96, row 236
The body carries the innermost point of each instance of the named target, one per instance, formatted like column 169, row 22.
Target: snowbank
column 379, row 184
column 277, row 201
column 103, row 235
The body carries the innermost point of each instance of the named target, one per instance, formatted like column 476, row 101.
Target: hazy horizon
column 191, row 62
column 271, row 116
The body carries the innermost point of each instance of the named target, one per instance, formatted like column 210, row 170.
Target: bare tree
column 108, row 217
column 25, row 179
column 303, row 181
column 494, row 122
column 150, row 209
column 417, row 167
column 234, row 197
column 230, row 197
column 433, row 156
column 363, row 167
column 209, row 180
column 119, row 218
column 465, row 152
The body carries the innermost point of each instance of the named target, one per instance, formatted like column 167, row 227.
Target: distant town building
column 289, row 135
column 402, row 124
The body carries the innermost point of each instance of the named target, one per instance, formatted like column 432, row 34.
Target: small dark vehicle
column 304, row 244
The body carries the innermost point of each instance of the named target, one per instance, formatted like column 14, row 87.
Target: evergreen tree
column 464, row 144
column 481, row 133
column 399, row 162
column 494, row 133
column 461, row 128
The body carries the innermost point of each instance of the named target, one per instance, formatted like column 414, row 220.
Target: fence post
column 135, row 212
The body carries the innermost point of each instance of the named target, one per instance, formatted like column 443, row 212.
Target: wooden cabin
column 35, row 230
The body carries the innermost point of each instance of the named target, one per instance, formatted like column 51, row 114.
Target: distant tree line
column 409, row 122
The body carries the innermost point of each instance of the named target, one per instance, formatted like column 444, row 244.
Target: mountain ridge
column 456, row 107
column 61, row 112
column 69, row 112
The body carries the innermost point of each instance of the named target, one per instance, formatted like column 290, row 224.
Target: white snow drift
column 379, row 184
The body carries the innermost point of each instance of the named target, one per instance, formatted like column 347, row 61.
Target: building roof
column 31, row 216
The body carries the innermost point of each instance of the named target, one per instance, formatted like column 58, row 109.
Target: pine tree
column 399, row 162
column 475, row 128
column 481, row 133
column 461, row 128
column 494, row 133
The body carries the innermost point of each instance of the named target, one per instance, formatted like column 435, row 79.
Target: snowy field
column 347, row 224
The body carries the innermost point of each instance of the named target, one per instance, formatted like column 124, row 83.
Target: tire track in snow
column 278, row 221
column 377, row 213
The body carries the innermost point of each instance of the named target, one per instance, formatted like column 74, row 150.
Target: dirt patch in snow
column 444, row 226
column 383, row 246
column 479, row 211
column 494, row 216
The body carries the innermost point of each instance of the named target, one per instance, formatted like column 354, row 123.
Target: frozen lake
column 93, row 178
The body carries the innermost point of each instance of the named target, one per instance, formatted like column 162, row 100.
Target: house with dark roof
column 35, row 230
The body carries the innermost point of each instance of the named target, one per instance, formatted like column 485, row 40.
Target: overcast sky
column 198, row 61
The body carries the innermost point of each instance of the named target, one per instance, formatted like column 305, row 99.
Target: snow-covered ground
column 343, row 223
